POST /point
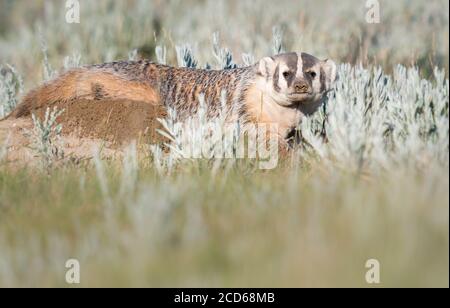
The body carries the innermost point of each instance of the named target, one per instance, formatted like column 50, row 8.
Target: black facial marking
column 291, row 60
column 322, row 80
column 308, row 61
column 290, row 78
column 276, row 77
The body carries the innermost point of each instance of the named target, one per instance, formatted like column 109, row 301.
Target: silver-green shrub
column 11, row 85
column 377, row 120
column 45, row 137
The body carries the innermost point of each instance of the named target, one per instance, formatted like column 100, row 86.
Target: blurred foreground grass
column 281, row 228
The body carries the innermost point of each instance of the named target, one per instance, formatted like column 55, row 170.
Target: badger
column 279, row 89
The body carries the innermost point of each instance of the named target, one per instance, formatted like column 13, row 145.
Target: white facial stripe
column 299, row 66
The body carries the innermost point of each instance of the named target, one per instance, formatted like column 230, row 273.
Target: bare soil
column 108, row 124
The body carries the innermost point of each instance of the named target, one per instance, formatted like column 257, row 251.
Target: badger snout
column 301, row 87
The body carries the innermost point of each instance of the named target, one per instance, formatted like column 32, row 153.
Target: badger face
column 294, row 79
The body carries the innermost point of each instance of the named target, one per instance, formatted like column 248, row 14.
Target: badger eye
column 286, row 74
column 312, row 74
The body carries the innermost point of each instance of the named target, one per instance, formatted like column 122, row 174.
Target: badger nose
column 301, row 87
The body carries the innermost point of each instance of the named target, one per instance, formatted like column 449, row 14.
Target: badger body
column 277, row 89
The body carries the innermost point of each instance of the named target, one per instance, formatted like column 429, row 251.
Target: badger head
column 295, row 79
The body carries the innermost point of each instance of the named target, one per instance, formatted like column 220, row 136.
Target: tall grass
column 45, row 138
column 410, row 32
column 11, row 86
column 376, row 121
column 368, row 178
column 281, row 228
column 371, row 122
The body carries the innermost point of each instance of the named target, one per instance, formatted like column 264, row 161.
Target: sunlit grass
column 264, row 229
column 369, row 180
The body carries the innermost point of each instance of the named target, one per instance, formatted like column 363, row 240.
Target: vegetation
column 369, row 179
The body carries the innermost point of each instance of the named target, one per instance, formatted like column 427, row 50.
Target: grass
column 369, row 180
column 410, row 32
column 192, row 229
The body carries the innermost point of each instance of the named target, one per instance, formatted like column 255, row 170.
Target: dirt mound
column 87, row 124
column 116, row 121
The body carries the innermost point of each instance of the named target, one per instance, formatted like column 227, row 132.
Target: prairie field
column 368, row 179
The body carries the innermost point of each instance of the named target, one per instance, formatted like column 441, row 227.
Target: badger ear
column 266, row 67
column 329, row 68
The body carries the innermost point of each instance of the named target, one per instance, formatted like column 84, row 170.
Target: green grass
column 280, row 228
